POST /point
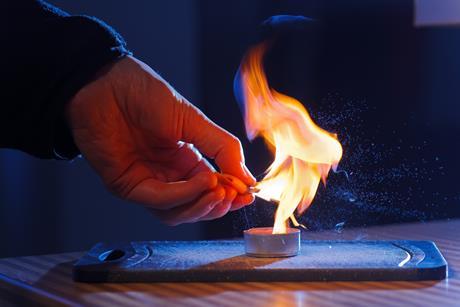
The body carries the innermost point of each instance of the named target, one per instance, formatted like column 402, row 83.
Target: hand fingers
column 203, row 166
column 162, row 196
column 222, row 208
column 188, row 160
column 192, row 213
column 216, row 143
column 241, row 201
column 232, row 181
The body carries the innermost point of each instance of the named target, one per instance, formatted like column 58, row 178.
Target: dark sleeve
column 47, row 55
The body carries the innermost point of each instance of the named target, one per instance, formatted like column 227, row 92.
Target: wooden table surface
column 47, row 280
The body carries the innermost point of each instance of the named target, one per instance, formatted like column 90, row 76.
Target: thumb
column 215, row 142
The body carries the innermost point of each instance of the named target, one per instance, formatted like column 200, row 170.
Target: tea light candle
column 261, row 242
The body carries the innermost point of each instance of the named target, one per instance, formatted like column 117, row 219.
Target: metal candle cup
column 260, row 242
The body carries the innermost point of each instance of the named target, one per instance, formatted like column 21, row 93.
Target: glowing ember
column 304, row 153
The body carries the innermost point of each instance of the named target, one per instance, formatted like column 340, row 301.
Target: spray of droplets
column 375, row 183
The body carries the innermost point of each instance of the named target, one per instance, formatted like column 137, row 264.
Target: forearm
column 48, row 56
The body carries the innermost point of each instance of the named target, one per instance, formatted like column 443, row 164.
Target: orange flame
column 304, row 153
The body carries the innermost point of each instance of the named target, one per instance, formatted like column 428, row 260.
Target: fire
column 304, row 153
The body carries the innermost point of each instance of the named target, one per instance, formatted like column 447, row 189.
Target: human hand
column 137, row 132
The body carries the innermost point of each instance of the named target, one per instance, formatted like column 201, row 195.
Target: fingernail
column 252, row 190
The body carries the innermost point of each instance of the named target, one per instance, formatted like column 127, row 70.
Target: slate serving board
column 212, row 261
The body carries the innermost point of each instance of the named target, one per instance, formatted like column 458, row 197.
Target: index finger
column 215, row 142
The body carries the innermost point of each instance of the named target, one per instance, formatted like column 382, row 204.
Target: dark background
column 388, row 89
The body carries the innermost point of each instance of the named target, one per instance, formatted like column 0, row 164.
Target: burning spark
column 304, row 153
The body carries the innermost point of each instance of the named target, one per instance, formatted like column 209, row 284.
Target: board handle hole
column 112, row 255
